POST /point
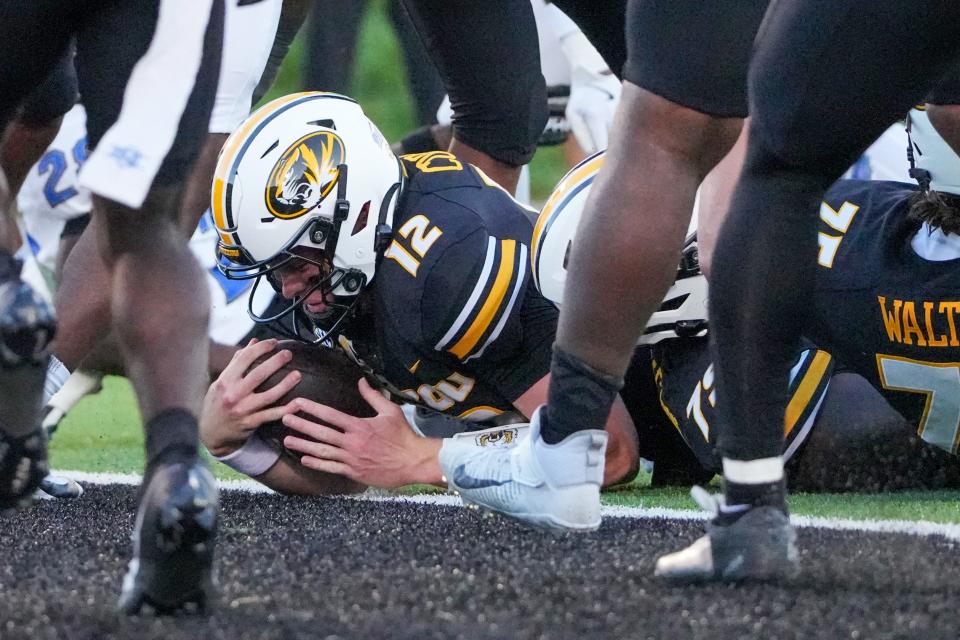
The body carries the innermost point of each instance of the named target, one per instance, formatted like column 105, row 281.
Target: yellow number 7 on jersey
column 940, row 382
column 421, row 236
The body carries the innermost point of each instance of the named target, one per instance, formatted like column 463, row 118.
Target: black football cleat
column 27, row 325
column 755, row 544
column 23, row 466
column 173, row 541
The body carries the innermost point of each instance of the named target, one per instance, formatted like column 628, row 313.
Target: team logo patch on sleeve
column 304, row 174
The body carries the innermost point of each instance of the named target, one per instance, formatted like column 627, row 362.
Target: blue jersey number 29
column 55, row 162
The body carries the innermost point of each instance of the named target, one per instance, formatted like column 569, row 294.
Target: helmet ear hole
column 362, row 219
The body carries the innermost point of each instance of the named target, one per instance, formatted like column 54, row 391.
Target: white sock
column 57, row 375
column 83, row 382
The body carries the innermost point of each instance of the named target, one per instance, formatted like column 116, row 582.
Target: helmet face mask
column 295, row 320
column 284, row 197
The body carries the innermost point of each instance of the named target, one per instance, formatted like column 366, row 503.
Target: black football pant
column 826, row 80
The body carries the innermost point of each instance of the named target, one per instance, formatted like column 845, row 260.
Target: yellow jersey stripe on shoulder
column 478, row 289
column 508, row 309
column 493, row 302
column 806, row 392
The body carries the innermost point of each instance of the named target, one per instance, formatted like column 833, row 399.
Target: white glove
column 593, row 101
column 594, row 90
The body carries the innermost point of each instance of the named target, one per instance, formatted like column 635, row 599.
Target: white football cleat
column 554, row 487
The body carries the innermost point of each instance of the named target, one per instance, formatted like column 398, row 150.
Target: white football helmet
column 682, row 314
column 308, row 171
column 931, row 154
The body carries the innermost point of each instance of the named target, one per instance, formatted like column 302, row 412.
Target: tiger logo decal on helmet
column 306, row 179
column 304, row 174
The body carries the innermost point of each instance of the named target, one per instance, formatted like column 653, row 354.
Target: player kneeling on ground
column 840, row 434
column 308, row 197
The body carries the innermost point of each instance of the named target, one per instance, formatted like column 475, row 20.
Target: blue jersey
column 886, row 313
column 457, row 323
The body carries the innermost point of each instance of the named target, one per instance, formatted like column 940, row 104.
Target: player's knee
column 52, row 98
column 622, row 460
column 697, row 139
column 145, row 231
column 504, row 124
column 784, row 135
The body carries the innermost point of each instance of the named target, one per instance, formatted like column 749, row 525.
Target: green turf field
column 103, row 434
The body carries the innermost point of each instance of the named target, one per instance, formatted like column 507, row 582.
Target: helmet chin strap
column 341, row 210
column 302, row 327
column 321, row 335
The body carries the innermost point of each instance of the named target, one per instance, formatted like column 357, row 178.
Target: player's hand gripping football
column 233, row 409
column 382, row 451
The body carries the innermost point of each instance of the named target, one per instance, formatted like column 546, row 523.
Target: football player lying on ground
column 836, row 421
column 884, row 296
column 844, row 437
column 889, row 258
column 418, row 267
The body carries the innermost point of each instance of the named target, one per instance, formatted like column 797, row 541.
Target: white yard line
column 920, row 528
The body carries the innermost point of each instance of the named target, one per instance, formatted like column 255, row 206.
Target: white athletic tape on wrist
column 410, row 414
column 253, row 459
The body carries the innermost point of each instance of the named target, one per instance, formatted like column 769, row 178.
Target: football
column 329, row 377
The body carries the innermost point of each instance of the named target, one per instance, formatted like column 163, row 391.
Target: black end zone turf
column 298, row 568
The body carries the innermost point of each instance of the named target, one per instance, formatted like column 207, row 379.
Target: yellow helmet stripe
column 568, row 183
column 230, row 148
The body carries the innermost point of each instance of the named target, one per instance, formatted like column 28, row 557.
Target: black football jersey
column 683, row 387
column 458, row 324
column 886, row 313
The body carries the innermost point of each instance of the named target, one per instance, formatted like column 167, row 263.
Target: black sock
column 764, row 494
column 9, row 266
column 580, row 397
column 172, row 433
